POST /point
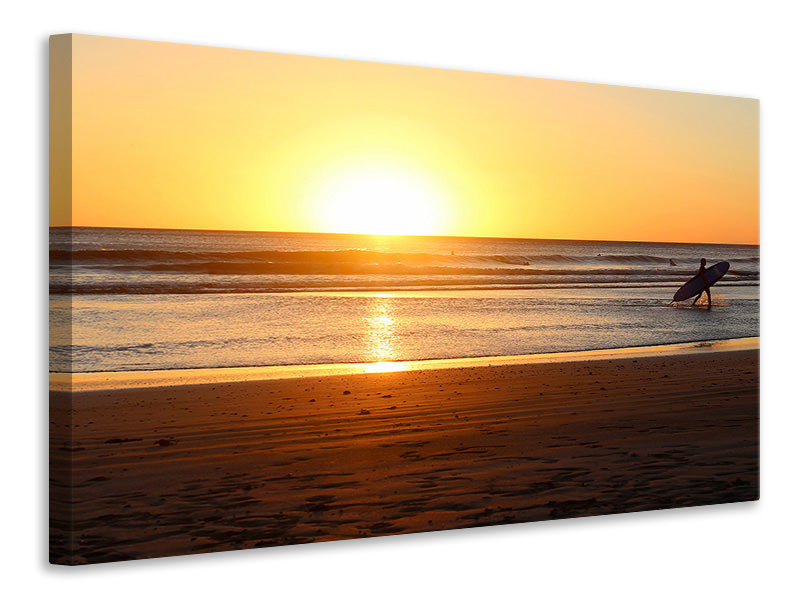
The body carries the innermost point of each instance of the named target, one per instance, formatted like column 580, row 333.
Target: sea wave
column 225, row 285
column 99, row 261
column 353, row 261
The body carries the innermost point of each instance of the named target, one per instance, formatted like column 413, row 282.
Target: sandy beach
column 199, row 468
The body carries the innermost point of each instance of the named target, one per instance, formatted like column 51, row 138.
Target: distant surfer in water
column 707, row 288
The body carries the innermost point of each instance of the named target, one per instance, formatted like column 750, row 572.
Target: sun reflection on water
column 381, row 336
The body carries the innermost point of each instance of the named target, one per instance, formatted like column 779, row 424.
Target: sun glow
column 380, row 201
column 192, row 137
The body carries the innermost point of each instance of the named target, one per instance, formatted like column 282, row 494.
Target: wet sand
column 200, row 468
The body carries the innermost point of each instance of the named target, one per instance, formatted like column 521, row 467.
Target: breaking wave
column 141, row 261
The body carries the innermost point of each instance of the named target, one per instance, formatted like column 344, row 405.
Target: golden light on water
column 381, row 337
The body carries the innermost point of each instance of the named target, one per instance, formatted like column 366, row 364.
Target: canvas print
column 298, row 299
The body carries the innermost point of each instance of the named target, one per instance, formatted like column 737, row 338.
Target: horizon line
column 480, row 237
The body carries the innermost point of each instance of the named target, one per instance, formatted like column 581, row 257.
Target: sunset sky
column 178, row 136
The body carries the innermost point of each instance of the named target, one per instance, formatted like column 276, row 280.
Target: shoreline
column 114, row 380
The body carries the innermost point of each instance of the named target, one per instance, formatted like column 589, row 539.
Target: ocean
column 140, row 299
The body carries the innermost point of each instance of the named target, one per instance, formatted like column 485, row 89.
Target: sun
column 380, row 201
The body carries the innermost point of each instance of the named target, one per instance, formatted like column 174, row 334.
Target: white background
column 731, row 48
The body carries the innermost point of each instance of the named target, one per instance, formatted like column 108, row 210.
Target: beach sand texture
column 200, row 468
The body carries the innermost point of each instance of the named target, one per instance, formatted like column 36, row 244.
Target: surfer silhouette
column 706, row 289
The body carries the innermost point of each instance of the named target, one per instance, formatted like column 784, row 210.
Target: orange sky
column 179, row 136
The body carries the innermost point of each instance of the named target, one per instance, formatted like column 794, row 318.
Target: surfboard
column 696, row 284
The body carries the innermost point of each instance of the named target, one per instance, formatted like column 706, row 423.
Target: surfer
column 706, row 289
